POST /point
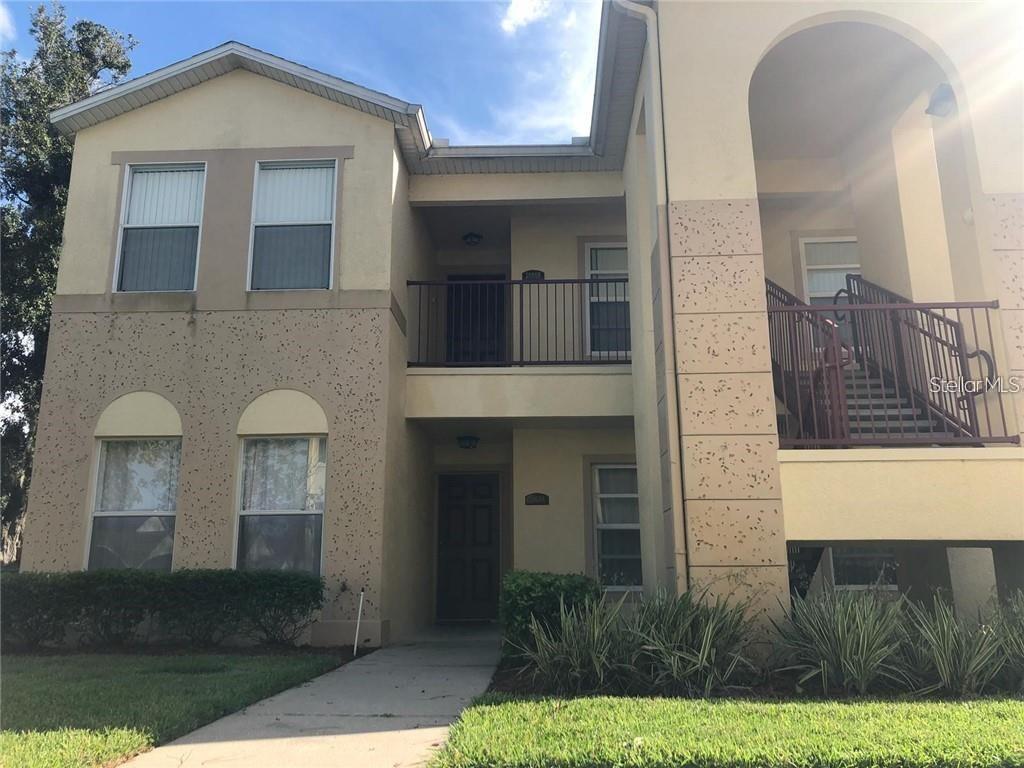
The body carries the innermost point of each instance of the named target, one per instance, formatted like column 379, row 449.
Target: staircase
column 876, row 409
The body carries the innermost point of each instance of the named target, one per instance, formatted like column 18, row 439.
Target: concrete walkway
column 385, row 710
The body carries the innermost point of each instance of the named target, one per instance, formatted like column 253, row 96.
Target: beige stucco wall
column 552, row 461
column 283, row 412
column 879, row 494
column 236, row 111
column 479, row 188
column 548, row 237
column 210, row 366
column 543, row 391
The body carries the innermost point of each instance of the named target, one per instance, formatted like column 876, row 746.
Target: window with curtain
column 160, row 230
column 617, row 526
column 281, row 516
column 136, row 501
column 293, row 225
column 608, row 306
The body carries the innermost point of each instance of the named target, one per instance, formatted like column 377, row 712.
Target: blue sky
column 520, row 71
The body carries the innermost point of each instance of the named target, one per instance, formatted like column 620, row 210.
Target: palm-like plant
column 963, row 657
column 845, row 641
column 687, row 645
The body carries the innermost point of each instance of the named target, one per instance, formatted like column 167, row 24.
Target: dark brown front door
column 467, row 547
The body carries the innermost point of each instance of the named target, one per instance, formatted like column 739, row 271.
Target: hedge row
column 528, row 595
column 199, row 607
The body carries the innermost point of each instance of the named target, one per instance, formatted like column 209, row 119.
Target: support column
column 973, row 579
column 1005, row 218
column 732, row 497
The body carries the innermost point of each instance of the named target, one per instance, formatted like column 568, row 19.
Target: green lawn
column 499, row 732
column 98, row 709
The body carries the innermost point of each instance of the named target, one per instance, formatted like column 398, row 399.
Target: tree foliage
column 71, row 61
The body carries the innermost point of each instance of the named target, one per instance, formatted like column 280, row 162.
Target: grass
column 83, row 710
column 503, row 732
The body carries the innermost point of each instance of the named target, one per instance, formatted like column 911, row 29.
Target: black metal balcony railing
column 518, row 322
column 881, row 370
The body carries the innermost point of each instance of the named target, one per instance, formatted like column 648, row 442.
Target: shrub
column 845, row 641
column 1009, row 627
column 585, row 651
column 276, row 606
column 201, row 606
column 688, row 646
column 527, row 594
column 960, row 657
column 113, row 604
column 34, row 608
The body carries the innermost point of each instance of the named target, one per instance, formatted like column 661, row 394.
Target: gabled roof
column 619, row 57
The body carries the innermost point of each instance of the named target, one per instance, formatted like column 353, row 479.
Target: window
column 826, row 262
column 281, row 516
column 860, row 568
column 136, row 498
column 160, row 228
column 617, row 509
column 293, row 226
column 608, row 308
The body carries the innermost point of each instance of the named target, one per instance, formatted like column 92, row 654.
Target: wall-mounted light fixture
column 533, row 275
column 468, row 442
column 942, row 101
column 472, row 238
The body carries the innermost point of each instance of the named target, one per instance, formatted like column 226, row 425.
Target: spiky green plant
column 688, row 646
column 584, row 652
column 963, row 657
column 843, row 641
column 1009, row 627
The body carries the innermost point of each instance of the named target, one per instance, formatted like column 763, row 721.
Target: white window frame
column 804, row 269
column 126, row 186
column 293, row 163
column 873, row 587
column 599, row 526
column 97, row 488
column 240, row 492
column 591, row 273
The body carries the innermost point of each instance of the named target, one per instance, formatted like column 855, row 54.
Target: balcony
column 874, row 369
column 516, row 323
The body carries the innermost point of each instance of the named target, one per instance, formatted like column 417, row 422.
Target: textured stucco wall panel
column 715, row 227
column 762, row 588
column 726, row 403
column 727, row 341
column 210, row 366
column 1010, row 274
column 708, row 283
column 1007, row 215
column 731, row 467
column 737, row 532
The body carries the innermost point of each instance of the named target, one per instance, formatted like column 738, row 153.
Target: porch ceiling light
column 942, row 101
column 472, row 238
column 468, row 442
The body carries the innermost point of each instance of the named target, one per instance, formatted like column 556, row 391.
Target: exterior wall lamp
column 467, row 442
column 472, row 238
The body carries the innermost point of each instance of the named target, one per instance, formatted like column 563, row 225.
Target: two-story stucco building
column 726, row 341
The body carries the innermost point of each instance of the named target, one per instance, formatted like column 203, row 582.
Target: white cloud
column 520, row 13
column 554, row 62
column 7, row 30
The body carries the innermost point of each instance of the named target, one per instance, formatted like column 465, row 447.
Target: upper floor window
column 617, row 507
column 608, row 305
column 293, row 225
column 136, row 499
column 160, row 228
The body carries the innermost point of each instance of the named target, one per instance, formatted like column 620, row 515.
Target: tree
column 70, row 63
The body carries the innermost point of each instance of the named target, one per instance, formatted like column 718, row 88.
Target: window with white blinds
column 160, row 229
column 293, row 225
column 826, row 264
